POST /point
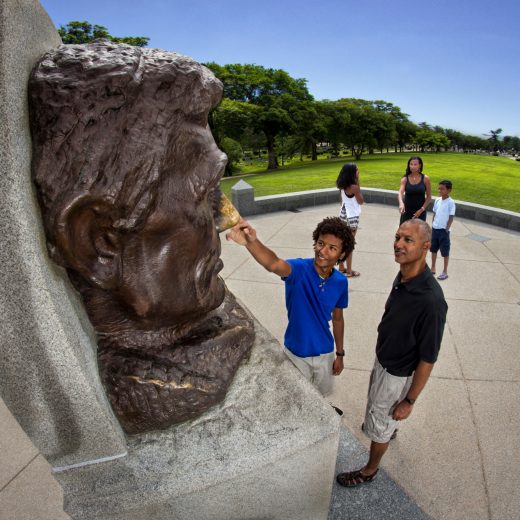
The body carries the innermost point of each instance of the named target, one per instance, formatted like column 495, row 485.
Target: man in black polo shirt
column 409, row 338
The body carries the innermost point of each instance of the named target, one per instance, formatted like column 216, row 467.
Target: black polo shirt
column 412, row 325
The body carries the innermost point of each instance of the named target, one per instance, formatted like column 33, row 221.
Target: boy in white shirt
column 443, row 213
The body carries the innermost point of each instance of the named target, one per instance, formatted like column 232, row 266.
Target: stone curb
column 247, row 205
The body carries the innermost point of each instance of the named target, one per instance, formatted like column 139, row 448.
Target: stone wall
column 48, row 373
column 244, row 200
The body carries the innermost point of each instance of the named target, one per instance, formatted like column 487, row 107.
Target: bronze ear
column 87, row 241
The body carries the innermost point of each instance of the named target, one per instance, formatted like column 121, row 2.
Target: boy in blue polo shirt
column 443, row 213
column 315, row 293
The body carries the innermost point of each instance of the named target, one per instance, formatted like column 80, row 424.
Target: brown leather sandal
column 354, row 478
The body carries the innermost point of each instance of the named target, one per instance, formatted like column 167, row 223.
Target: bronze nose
column 228, row 215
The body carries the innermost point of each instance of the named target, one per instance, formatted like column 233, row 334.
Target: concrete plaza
column 458, row 455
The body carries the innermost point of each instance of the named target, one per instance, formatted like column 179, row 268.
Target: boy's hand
column 241, row 233
column 337, row 366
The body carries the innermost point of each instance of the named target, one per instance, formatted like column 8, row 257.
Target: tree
column 385, row 132
column 360, row 133
column 456, row 138
column 394, row 128
column 406, row 132
column 84, row 32
column 494, row 138
column 473, row 143
column 234, row 152
column 281, row 101
column 231, row 120
column 432, row 140
column 334, row 120
column 511, row 143
column 307, row 130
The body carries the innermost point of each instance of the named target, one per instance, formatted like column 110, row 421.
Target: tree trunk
column 228, row 172
column 314, row 152
column 272, row 161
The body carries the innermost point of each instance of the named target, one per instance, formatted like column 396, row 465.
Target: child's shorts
column 440, row 240
column 351, row 222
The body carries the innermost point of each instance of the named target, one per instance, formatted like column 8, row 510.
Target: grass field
column 482, row 179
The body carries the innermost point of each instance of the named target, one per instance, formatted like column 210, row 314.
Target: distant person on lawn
column 408, row 343
column 351, row 200
column 415, row 192
column 315, row 293
column 443, row 214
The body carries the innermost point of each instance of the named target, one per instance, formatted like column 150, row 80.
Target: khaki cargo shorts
column 385, row 391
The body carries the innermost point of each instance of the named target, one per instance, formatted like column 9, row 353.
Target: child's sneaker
column 442, row 276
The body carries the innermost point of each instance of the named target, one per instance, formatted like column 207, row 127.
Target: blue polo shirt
column 310, row 302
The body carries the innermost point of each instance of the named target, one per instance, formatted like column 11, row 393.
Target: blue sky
column 450, row 63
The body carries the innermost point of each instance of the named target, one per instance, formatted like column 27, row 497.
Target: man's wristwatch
column 340, row 354
column 409, row 401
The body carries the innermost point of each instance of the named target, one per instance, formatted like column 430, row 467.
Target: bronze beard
column 156, row 379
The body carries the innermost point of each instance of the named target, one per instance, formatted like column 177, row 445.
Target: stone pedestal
column 267, row 452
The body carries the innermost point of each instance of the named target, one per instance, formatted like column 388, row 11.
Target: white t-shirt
column 352, row 207
column 443, row 209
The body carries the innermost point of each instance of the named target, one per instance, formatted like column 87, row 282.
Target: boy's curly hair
column 336, row 227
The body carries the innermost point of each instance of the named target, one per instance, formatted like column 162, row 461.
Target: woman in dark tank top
column 415, row 191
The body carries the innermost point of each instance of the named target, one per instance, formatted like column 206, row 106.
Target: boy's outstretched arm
column 245, row 235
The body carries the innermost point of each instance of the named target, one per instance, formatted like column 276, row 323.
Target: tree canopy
column 267, row 109
column 84, row 32
column 280, row 104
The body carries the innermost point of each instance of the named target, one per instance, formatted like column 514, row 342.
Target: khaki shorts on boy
column 316, row 369
column 385, row 391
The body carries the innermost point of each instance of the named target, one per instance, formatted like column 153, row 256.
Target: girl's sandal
column 354, row 478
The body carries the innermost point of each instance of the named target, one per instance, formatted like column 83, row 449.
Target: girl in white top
column 351, row 200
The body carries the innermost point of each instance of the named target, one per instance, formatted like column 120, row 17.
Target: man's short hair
column 424, row 228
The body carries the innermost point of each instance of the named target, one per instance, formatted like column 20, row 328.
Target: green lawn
column 482, row 179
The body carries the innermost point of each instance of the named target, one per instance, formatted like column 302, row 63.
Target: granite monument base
column 267, row 452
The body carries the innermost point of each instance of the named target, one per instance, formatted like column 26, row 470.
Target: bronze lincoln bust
column 127, row 175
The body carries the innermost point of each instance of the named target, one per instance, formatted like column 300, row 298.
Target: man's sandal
column 354, row 478
column 353, row 274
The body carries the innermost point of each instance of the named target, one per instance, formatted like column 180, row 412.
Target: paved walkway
column 458, row 456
